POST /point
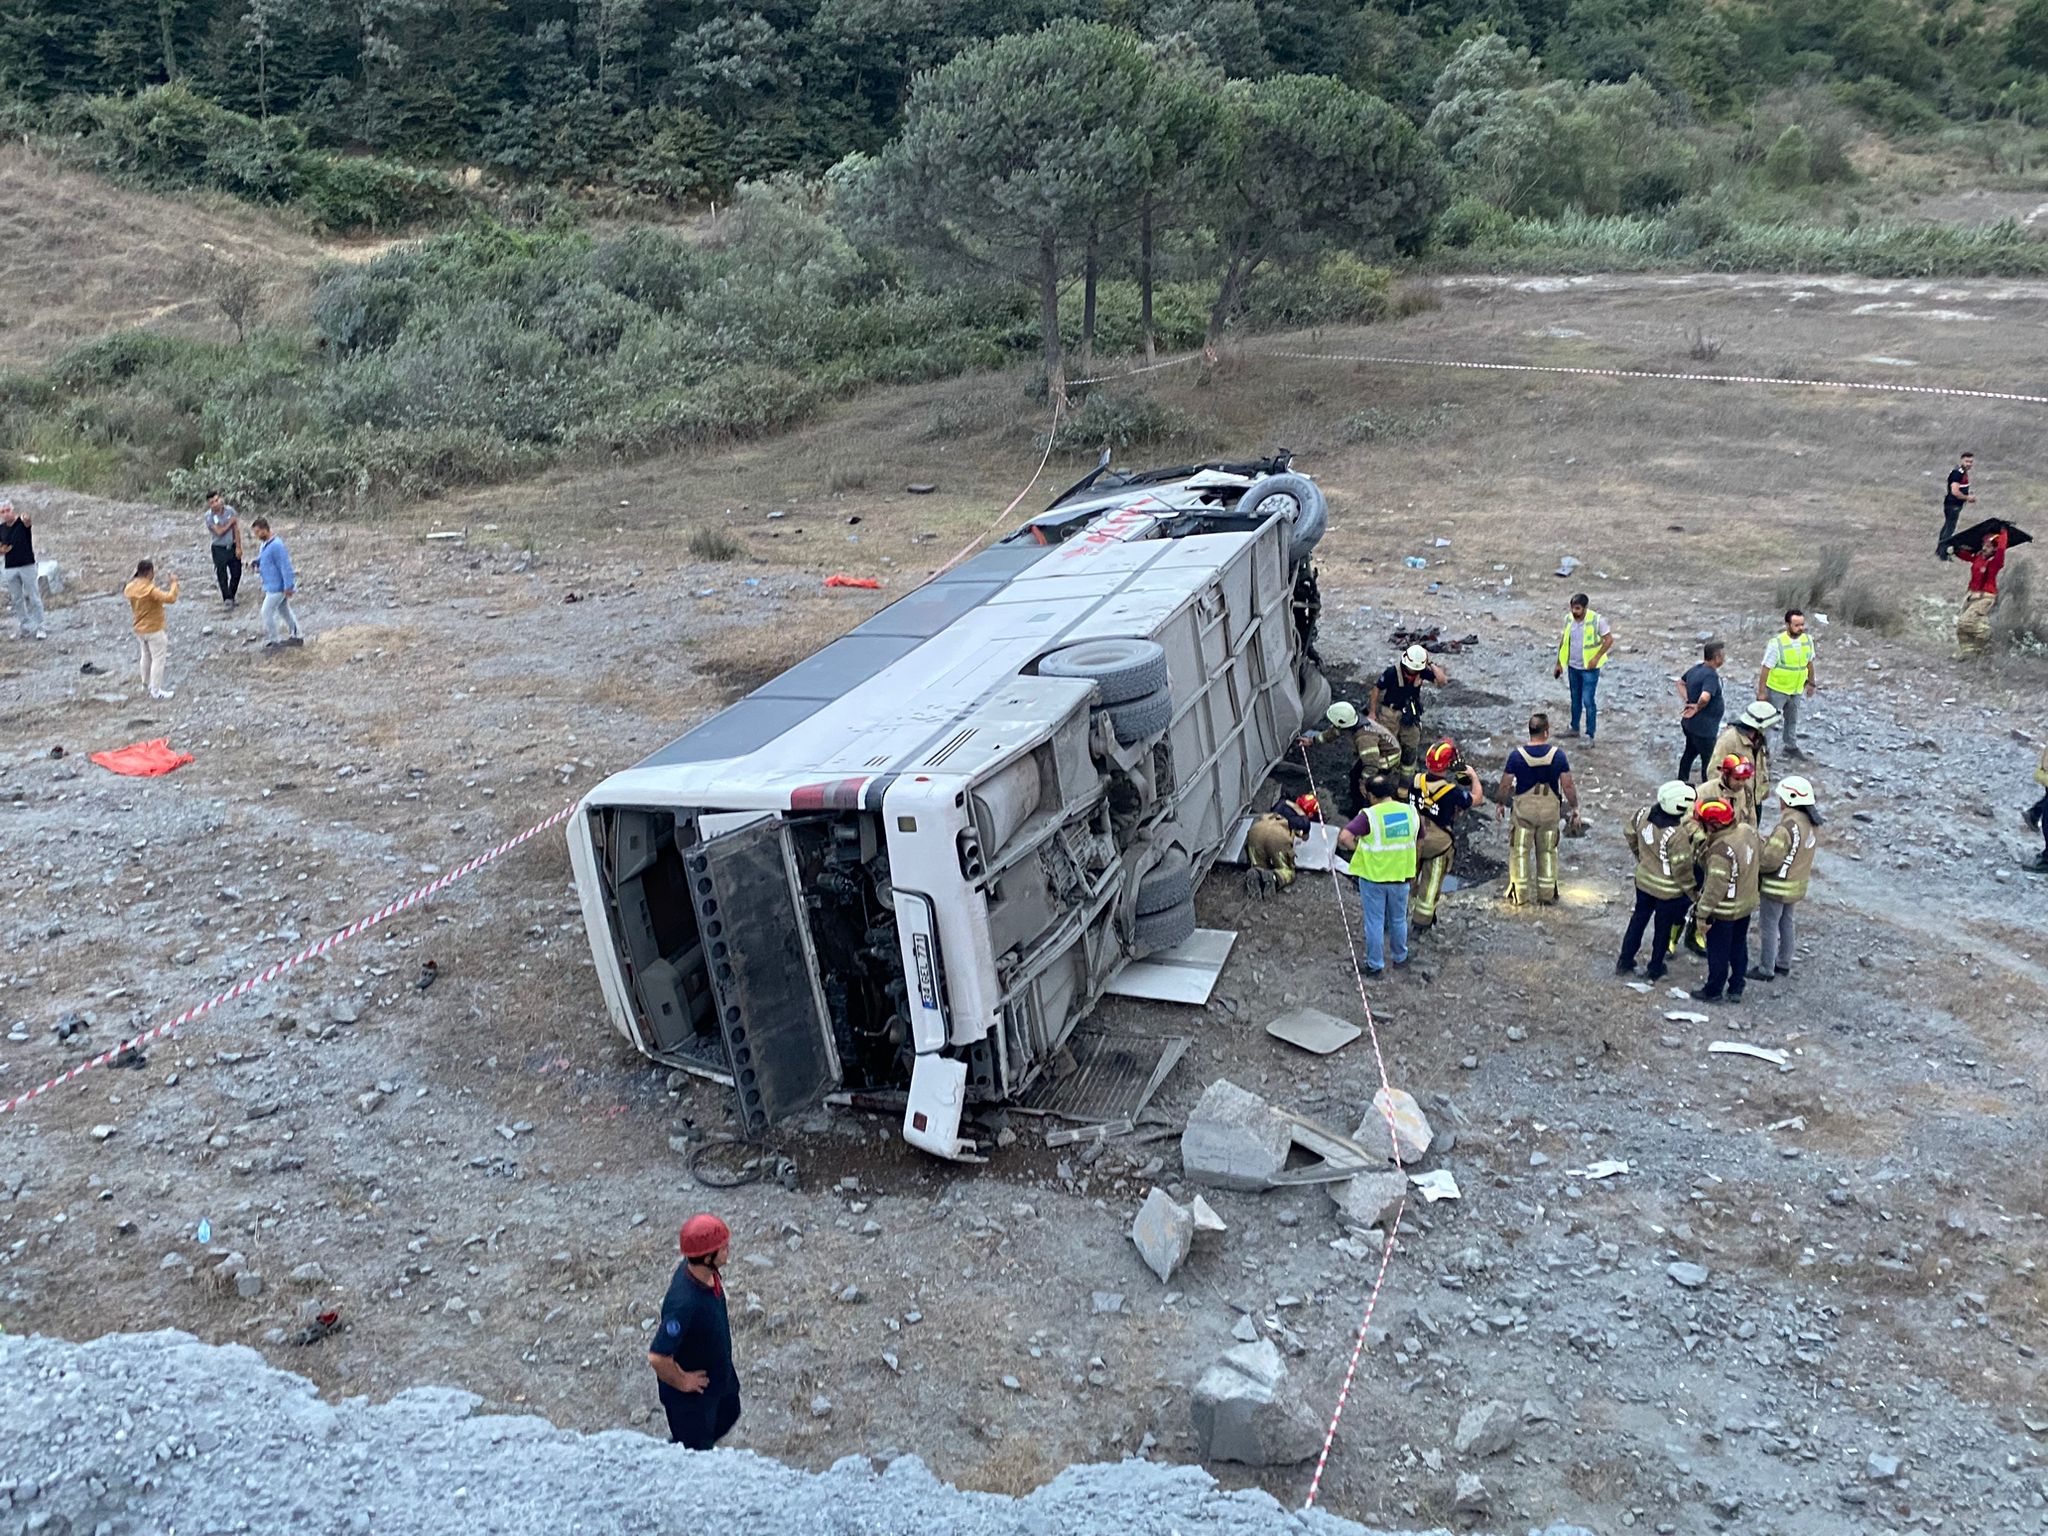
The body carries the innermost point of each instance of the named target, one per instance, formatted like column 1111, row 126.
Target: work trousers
column 1698, row 749
column 1973, row 624
column 278, row 618
column 2039, row 817
column 1948, row 531
column 1777, row 931
column 1427, row 888
column 1660, row 916
column 1270, row 845
column 1385, row 903
column 1532, row 863
column 1408, row 733
column 1727, row 955
column 227, row 570
column 1788, row 706
column 26, row 597
column 155, row 649
column 1585, row 683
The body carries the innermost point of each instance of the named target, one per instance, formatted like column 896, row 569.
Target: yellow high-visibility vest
column 1795, row 660
column 1588, row 639
column 1386, row 849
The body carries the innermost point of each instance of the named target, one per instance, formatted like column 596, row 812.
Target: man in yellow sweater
column 148, row 600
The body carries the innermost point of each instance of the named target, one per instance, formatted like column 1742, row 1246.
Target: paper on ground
column 1740, row 1048
column 1437, row 1184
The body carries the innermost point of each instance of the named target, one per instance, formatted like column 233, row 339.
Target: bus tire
column 1121, row 670
column 1311, row 515
column 1169, row 883
column 1141, row 719
column 1164, row 930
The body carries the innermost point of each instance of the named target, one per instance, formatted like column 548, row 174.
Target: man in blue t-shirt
column 1537, row 791
column 691, row 1352
column 1699, row 692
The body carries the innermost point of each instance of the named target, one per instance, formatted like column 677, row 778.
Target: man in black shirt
column 18, row 563
column 1700, row 693
column 691, row 1351
column 1953, row 500
column 1396, row 702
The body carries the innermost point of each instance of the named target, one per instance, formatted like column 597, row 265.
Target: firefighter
column 1446, row 786
column 1729, row 861
column 1745, row 738
column 1664, row 839
column 1787, row 869
column 1734, row 780
column 1270, row 843
column 1374, row 748
column 1536, row 789
column 1396, row 701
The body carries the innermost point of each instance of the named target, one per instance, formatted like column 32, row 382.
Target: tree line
column 682, row 98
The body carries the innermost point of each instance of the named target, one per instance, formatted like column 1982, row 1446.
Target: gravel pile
column 158, row 1432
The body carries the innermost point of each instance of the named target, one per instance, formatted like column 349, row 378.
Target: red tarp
column 143, row 760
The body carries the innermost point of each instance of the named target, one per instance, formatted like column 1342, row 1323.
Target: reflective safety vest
column 1795, row 660
column 1589, row 639
column 1664, row 854
column 1385, row 853
column 1788, row 857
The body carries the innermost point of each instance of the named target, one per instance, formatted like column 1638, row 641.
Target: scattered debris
column 921, row 488
column 1432, row 640
column 1245, row 1412
column 1487, row 1430
column 1411, row 1130
column 1606, row 1168
column 1314, row 1030
column 1690, row 1276
column 1370, row 1198
column 1472, row 1496
column 1164, row 1231
column 430, row 972
column 1235, row 1139
column 841, row 579
column 1567, row 565
column 1206, row 1219
column 1776, row 1058
column 1435, row 1185
column 1681, row 1016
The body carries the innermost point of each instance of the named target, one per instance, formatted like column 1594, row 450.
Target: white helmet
column 1761, row 716
column 1415, row 658
column 1675, row 798
column 1794, row 790
column 1343, row 716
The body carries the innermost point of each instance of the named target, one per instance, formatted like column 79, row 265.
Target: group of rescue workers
column 1704, row 868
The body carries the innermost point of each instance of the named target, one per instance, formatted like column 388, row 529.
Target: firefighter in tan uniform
column 1728, row 896
column 1396, row 701
column 1787, row 870
column 1537, row 791
column 1745, row 738
column 1374, row 748
column 1664, row 838
column 1270, row 843
column 1445, row 787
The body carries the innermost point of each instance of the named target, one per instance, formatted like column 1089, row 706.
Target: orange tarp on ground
column 143, row 760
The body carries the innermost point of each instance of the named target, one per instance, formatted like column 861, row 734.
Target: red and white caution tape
column 1379, row 1280
column 1644, row 373
column 1171, row 362
column 310, row 952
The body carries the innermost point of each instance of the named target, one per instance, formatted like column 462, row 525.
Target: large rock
column 1487, row 1430
column 1245, row 1412
column 1369, row 1199
column 1234, row 1139
column 1164, row 1231
column 1411, row 1134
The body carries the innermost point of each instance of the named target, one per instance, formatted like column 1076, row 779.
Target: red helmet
column 1715, row 813
column 1440, row 757
column 1740, row 769
column 702, row 1236
column 1308, row 805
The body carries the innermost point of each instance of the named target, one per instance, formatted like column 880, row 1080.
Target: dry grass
column 1015, row 1467
column 1414, row 298
column 80, row 257
column 715, row 544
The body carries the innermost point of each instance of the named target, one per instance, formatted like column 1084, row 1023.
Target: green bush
column 1789, row 165
column 1116, row 420
column 1472, row 222
column 1890, row 105
column 1338, row 289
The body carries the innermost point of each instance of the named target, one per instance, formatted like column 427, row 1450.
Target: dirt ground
column 482, row 1174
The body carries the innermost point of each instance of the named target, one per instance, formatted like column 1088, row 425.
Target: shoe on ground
column 1758, row 973
column 2038, row 867
column 270, row 646
column 1702, row 995
column 156, row 693
column 2030, row 818
column 1732, row 997
column 295, row 640
column 1781, row 970
column 1375, row 970
column 1656, row 975
column 42, row 634
column 1624, row 967
column 1795, row 754
column 168, row 693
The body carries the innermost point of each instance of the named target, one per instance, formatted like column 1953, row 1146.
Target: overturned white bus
column 914, row 860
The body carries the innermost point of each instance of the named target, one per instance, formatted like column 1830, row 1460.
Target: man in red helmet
column 691, row 1352
column 1445, row 786
column 1729, row 863
column 1270, row 843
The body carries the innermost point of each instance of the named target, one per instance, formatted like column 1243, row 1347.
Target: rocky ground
column 479, row 1178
